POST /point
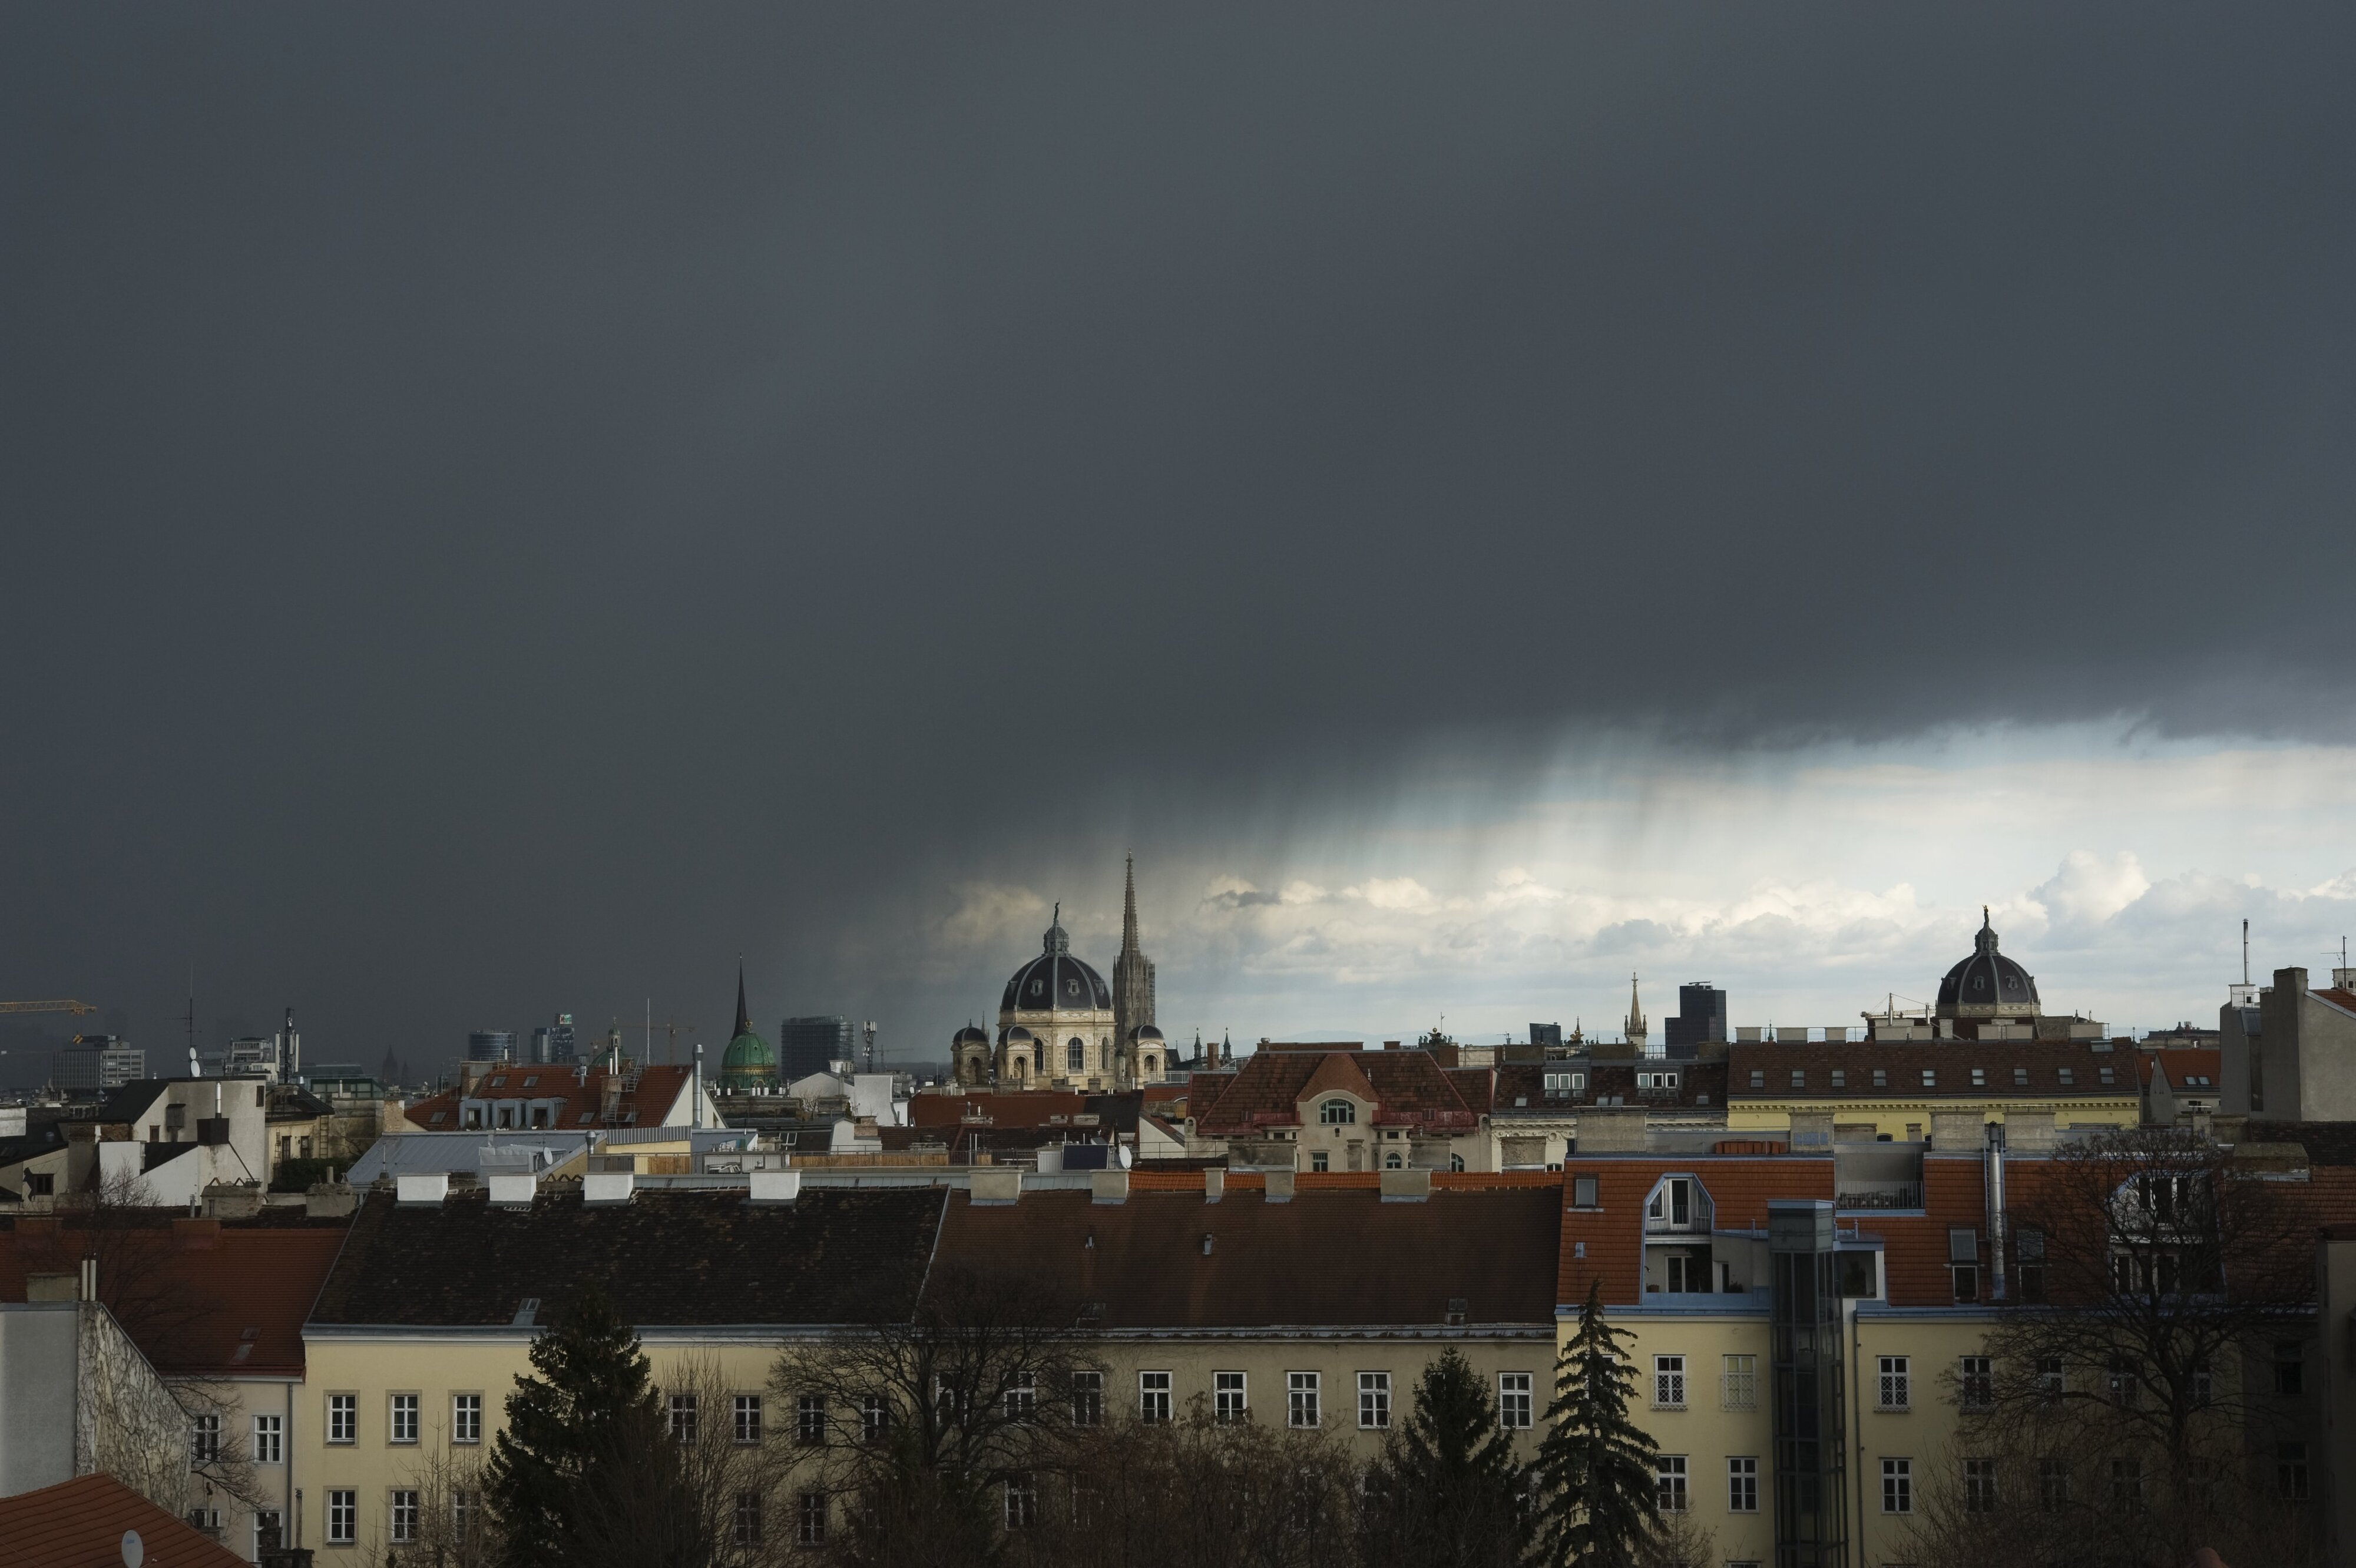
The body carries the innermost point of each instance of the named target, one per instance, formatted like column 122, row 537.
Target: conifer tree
column 1447, row 1488
column 568, row 1429
column 1596, row 1467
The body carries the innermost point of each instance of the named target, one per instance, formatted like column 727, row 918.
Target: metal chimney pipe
column 1996, row 1216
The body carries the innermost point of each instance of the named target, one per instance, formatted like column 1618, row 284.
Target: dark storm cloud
column 507, row 502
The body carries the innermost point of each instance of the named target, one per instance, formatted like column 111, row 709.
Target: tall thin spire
column 744, row 1015
column 1128, row 910
column 1636, row 1010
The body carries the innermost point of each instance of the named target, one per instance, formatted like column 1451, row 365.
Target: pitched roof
column 2183, row 1064
column 199, row 1297
column 1335, row 1256
column 1025, row 1108
column 1611, row 1233
column 1269, row 1087
column 648, row 1096
column 836, row 1255
column 81, row 1524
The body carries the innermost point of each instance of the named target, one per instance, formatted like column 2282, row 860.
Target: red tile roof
column 81, row 1524
column 1266, row 1090
column 2181, row 1064
column 1612, row 1234
column 644, row 1104
column 198, row 1298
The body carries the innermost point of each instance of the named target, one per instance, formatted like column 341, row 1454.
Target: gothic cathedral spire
column 1132, row 974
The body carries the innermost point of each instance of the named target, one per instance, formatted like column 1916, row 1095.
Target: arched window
column 1455, row 1162
column 1152, row 1064
column 1337, row 1114
column 1392, row 1162
column 1076, row 1055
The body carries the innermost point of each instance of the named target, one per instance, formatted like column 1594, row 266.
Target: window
column 1022, row 1396
column 684, row 1417
column 1076, row 1057
column 1738, row 1382
column 1583, row 1192
column 1153, row 1397
column 2290, row 1471
column 875, row 1414
column 1087, row 1398
column 2053, row 1484
column 2290, row 1369
column 809, row 1421
column 2124, row 1384
column 1758, row 1079
column 1557, row 1086
column 1337, row 1114
column 269, row 1439
column 206, row 1519
column 2049, row 1384
column 466, row 1514
column 812, row 1514
column 2029, row 1248
column 1319, row 1160
column 2020, row 1077
column 1930, row 1077
column 1228, row 1396
column 1799, row 1078
column 748, row 1418
column 343, row 1518
column 207, row 1443
column 1742, row 1485
column 1021, row 1501
column 1840, row 1078
column 1975, row 1382
column 1687, row 1272
column 2103, row 1074
column 2204, row 1383
column 2127, row 1483
column 466, row 1418
column 1668, row 1382
column 1980, row 1486
column 1300, row 1399
column 1514, row 1402
column 1898, row 1486
column 268, row 1533
column 404, row 1516
column 1897, row 1384
column 404, row 1411
column 744, row 1530
column 343, row 1418
column 1374, row 1400
column 1669, row 1483
column 1673, row 1203
column 1963, row 1261
column 2067, row 1077
column 1979, row 1077
column 1881, row 1078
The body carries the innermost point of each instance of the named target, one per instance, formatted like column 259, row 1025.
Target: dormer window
column 1672, row 1202
column 1337, row 1114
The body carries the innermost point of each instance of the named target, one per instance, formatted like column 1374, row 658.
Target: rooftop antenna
column 194, row 1071
column 2245, row 949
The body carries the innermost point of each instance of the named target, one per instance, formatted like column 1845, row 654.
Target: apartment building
column 1869, row 1090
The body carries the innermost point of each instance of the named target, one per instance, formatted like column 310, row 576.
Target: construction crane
column 75, row 1007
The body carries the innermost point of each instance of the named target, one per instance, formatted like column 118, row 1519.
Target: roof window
column 500, row 1081
column 2069, row 1077
column 2105, row 1073
column 1930, row 1077
column 1840, row 1078
column 1979, row 1077
column 1758, row 1079
column 2020, row 1077
column 1799, row 1078
column 1881, row 1078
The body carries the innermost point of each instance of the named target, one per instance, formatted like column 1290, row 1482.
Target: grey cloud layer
column 509, row 501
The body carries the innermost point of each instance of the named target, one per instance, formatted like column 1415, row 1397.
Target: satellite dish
column 134, row 1550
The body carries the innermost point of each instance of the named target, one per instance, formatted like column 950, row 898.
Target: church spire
column 744, row 1015
column 1635, row 1010
column 1128, row 910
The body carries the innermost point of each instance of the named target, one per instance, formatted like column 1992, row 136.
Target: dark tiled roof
column 837, row 1255
column 1950, row 1060
column 2326, row 1143
column 2183, row 1063
column 1333, row 1257
column 1267, row 1088
column 1026, row 1107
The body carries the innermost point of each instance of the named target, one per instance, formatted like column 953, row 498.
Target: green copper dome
column 748, row 1058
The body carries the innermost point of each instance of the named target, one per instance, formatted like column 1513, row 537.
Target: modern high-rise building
column 1701, row 1014
column 805, row 1045
column 1546, row 1034
column 99, row 1062
column 564, row 1045
column 491, row 1046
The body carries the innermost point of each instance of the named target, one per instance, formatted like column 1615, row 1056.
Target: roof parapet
column 775, row 1187
column 995, row 1185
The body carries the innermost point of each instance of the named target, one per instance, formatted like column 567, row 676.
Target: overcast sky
column 503, row 509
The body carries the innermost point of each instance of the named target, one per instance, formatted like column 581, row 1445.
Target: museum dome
column 1056, row 981
column 1987, row 979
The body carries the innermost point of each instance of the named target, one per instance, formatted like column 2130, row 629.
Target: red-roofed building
column 2179, row 1086
column 1320, row 1107
column 89, row 1522
column 561, row 1099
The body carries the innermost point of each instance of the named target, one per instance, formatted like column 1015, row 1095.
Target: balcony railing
column 1882, row 1198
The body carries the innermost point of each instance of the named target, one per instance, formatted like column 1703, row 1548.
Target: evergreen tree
column 1596, row 1467
column 570, row 1430
column 1447, row 1488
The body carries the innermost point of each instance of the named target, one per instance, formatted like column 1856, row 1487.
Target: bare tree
column 449, row 1525
column 2110, row 1409
column 919, row 1427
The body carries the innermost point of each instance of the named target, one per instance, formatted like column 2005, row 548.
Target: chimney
column 1108, row 1186
column 90, row 1278
column 415, row 1191
column 695, row 1106
column 1215, row 1185
column 1279, row 1186
column 1996, row 1215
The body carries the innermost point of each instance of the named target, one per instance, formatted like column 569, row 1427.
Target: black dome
column 970, row 1035
column 1056, row 979
column 1988, row 979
